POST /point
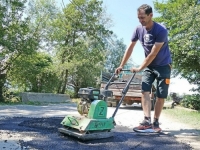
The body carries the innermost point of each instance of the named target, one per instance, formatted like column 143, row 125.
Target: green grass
column 76, row 100
column 191, row 118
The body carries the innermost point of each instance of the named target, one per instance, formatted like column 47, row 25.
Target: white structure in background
column 180, row 86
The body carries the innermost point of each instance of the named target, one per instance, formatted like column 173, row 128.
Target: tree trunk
column 2, row 81
column 64, row 82
column 60, row 83
column 76, row 89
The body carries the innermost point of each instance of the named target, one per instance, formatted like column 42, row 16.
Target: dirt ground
column 24, row 127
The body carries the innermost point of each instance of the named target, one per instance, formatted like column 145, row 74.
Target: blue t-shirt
column 159, row 34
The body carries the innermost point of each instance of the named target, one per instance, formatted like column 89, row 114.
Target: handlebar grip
column 126, row 70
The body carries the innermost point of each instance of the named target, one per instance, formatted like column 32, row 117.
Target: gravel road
column 25, row 127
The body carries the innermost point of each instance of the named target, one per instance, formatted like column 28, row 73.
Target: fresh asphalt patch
column 45, row 136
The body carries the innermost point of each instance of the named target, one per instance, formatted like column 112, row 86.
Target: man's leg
column 147, row 80
column 146, row 104
column 158, row 107
column 163, row 82
column 157, row 111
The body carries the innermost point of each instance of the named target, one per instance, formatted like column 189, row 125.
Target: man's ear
column 151, row 14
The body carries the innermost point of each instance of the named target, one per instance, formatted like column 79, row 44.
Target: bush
column 10, row 96
column 70, row 93
column 191, row 101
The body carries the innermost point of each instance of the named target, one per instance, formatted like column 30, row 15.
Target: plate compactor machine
column 92, row 123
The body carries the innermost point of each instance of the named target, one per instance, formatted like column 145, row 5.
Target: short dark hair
column 146, row 8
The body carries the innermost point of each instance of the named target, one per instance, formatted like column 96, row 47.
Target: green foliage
column 16, row 38
column 182, row 18
column 41, row 14
column 191, row 101
column 10, row 96
column 168, row 98
column 33, row 73
column 76, row 100
column 115, row 51
column 74, row 37
column 80, row 50
column 70, row 93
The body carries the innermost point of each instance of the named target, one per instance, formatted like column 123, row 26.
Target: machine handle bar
column 125, row 90
column 126, row 70
column 114, row 74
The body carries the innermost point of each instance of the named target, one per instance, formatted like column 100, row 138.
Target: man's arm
column 127, row 54
column 155, row 49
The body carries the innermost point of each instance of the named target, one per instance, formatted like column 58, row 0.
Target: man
column 154, row 39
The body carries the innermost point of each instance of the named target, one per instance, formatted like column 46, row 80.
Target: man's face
column 144, row 18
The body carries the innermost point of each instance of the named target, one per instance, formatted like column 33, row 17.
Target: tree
column 41, row 14
column 182, row 20
column 33, row 73
column 74, row 37
column 115, row 51
column 78, row 34
column 15, row 36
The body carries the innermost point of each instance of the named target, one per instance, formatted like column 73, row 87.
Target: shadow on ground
column 185, row 132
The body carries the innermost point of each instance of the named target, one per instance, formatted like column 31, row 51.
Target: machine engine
column 88, row 95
